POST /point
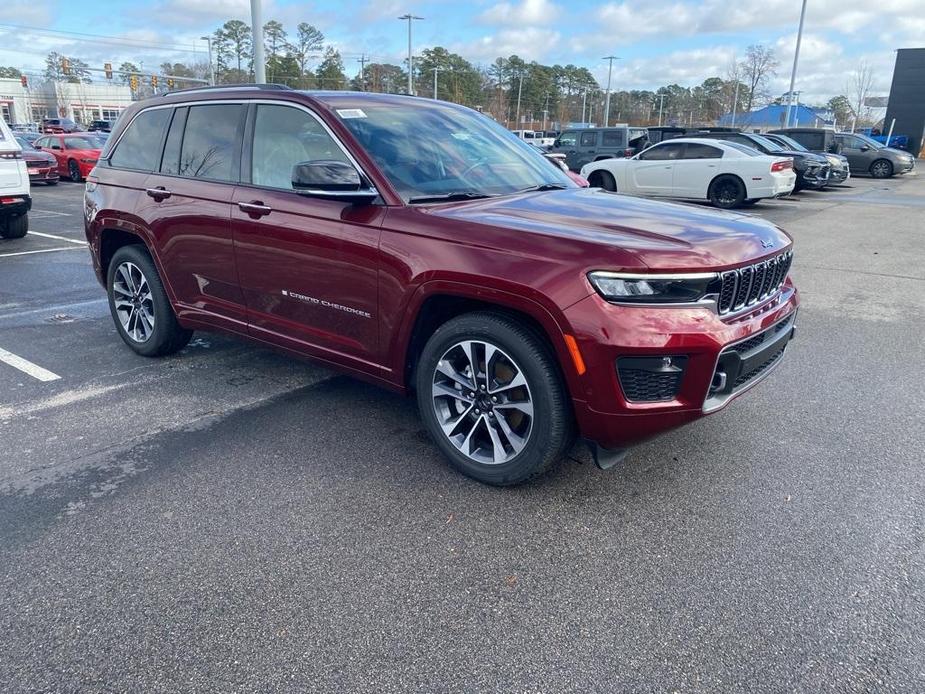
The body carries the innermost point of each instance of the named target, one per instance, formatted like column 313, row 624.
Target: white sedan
column 725, row 173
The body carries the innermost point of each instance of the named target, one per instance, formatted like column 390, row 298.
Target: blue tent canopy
column 773, row 116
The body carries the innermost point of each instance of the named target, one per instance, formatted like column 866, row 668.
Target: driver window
column 568, row 140
column 661, row 152
column 283, row 137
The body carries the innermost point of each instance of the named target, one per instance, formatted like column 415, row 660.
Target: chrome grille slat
column 753, row 283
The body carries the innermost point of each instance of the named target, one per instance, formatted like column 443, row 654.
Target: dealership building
column 80, row 102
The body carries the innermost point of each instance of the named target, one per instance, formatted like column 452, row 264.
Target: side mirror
column 331, row 179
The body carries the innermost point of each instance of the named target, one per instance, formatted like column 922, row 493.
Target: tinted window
column 671, row 150
column 811, row 140
column 698, row 151
column 568, row 140
column 745, row 149
column 170, row 164
column 140, row 145
column 614, row 138
column 588, row 139
column 283, row 137
column 210, row 142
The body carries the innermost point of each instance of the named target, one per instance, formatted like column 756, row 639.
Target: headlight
column 653, row 289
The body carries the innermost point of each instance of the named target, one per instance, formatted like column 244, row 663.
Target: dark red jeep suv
column 421, row 246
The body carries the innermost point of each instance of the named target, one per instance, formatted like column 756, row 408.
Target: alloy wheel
column 482, row 402
column 880, row 169
column 727, row 192
column 134, row 302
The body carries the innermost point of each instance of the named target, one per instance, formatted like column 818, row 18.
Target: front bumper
column 49, row 173
column 839, row 176
column 905, row 167
column 707, row 344
column 817, row 177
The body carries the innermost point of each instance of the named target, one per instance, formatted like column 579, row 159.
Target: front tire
column 881, row 168
column 73, row 170
column 727, row 192
column 15, row 228
column 140, row 307
column 491, row 396
column 603, row 179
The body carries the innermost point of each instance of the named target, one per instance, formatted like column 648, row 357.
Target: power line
column 112, row 40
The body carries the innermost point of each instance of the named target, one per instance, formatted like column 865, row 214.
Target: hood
column 658, row 235
column 35, row 155
column 901, row 153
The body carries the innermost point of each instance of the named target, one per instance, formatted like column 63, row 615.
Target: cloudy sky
column 659, row 42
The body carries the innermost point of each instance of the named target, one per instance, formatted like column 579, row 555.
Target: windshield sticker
column 351, row 113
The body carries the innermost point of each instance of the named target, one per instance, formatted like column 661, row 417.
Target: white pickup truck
column 535, row 137
column 15, row 198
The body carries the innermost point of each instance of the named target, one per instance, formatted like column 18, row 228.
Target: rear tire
column 140, row 307
column 73, row 170
column 881, row 168
column 508, row 418
column 15, row 228
column 603, row 179
column 727, row 192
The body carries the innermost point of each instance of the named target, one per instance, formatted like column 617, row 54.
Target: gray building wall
column 907, row 97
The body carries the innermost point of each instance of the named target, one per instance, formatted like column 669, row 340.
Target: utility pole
column 661, row 103
column 610, row 59
column 520, row 88
column 410, row 18
column 735, row 103
column 260, row 63
column 362, row 60
column 796, row 58
column 584, row 102
column 436, row 70
column 208, row 40
column 545, row 112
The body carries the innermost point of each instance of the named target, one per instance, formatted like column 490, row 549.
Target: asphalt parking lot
column 229, row 519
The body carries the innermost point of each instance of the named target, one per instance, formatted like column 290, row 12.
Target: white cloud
column 524, row 13
column 26, row 12
column 530, row 43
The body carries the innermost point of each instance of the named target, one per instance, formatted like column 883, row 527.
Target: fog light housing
column 651, row 379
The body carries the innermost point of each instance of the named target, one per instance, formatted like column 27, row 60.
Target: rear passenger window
column 588, row 139
column 699, row 151
column 140, row 145
column 614, row 138
column 210, row 142
column 286, row 136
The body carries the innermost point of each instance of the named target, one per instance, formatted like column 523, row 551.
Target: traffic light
column 154, row 81
column 107, row 68
column 169, row 83
column 133, row 83
column 65, row 66
column 25, row 81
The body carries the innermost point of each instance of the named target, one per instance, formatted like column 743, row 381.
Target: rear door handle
column 159, row 193
column 255, row 208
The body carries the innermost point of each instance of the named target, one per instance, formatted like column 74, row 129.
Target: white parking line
column 58, row 238
column 44, row 214
column 27, row 366
column 41, row 250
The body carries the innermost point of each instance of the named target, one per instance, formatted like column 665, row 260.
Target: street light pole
column 410, row 18
column 735, row 103
column 436, row 70
column 208, row 40
column 796, row 58
column 661, row 102
column 609, row 58
column 519, row 91
column 260, row 63
column 584, row 102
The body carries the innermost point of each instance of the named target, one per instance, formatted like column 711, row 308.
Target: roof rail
column 281, row 87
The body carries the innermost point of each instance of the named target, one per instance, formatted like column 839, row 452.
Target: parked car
column 29, row 136
column 812, row 170
column 76, row 153
column 869, row 156
column 42, row 166
column 839, row 169
column 581, row 146
column 660, row 133
column 416, row 244
column 60, row 125
column 103, row 126
column 558, row 160
column 535, row 137
column 727, row 174
column 818, row 140
column 15, row 193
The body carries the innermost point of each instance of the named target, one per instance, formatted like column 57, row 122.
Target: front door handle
column 255, row 208
column 159, row 193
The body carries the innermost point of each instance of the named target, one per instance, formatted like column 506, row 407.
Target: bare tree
column 758, row 66
column 859, row 88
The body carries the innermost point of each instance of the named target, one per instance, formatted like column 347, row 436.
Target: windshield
column 25, row 144
column 437, row 150
column 767, row 144
column 790, row 142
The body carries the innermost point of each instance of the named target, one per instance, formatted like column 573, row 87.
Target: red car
column 42, row 166
column 416, row 244
column 76, row 153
